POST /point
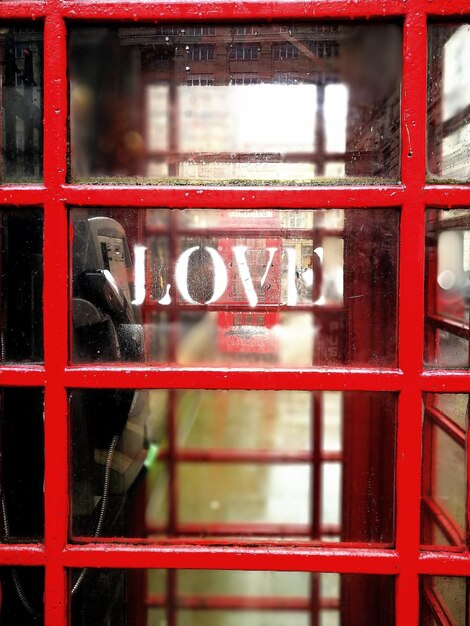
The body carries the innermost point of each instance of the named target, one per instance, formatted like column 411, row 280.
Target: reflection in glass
column 278, row 102
column 445, row 597
column 272, row 464
column 449, row 101
column 22, row 596
column 193, row 286
column 21, row 69
column 21, row 239
column 444, row 476
column 229, row 598
column 447, row 287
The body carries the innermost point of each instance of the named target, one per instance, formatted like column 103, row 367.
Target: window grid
column 285, row 50
column 244, row 51
column 410, row 380
column 324, row 49
column 200, row 52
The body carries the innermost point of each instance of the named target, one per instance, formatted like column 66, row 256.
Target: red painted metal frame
column 405, row 561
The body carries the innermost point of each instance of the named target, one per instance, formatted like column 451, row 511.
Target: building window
column 244, row 79
column 285, row 50
column 246, row 30
column 167, row 30
column 200, row 80
column 200, row 31
column 243, row 52
column 323, row 77
column 286, row 78
column 325, row 49
column 200, row 52
column 324, row 29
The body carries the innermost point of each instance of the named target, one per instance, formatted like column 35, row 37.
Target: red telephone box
column 306, row 395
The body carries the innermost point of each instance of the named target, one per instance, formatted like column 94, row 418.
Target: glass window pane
column 331, row 492
column 21, row 464
column 450, row 488
column 254, row 584
column 227, row 598
column 21, row 70
column 296, row 102
column 200, row 286
column 443, row 598
column 454, row 406
column 194, row 471
column 244, row 493
column 447, row 288
column 450, row 350
column 444, row 486
column 329, row 618
column 332, row 432
column 453, row 591
column 22, row 596
column 21, row 284
column 274, row 420
column 449, row 102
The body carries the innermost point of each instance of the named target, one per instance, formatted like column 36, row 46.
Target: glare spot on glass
column 456, row 98
column 307, row 277
column 446, row 279
column 336, row 115
column 139, row 274
column 456, row 72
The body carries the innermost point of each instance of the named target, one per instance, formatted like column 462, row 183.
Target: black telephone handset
column 106, row 325
column 106, row 328
column 100, row 288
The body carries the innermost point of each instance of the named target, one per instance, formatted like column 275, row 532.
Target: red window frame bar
column 412, row 195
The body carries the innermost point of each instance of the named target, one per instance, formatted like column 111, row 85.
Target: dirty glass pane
column 453, row 405
column 21, row 282
column 212, row 463
column 445, row 596
column 244, row 492
column 21, row 71
column 331, row 494
column 227, row 598
column 292, row 102
column 243, row 419
column 212, row 286
column 444, row 481
column 21, row 464
column 449, row 102
column 447, row 288
column 450, row 488
column 22, row 596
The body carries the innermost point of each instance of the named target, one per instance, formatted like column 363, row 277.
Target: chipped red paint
column 56, row 375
